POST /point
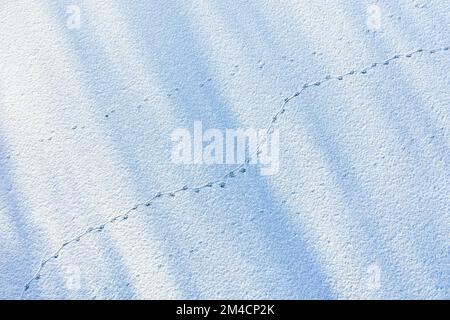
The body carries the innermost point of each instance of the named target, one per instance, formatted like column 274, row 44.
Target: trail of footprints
column 261, row 64
column 241, row 169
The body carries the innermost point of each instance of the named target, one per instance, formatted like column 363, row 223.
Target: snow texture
column 90, row 91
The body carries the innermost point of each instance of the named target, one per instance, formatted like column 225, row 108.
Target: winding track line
column 230, row 174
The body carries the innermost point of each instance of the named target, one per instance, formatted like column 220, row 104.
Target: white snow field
column 91, row 91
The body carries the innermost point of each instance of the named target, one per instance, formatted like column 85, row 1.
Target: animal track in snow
column 222, row 181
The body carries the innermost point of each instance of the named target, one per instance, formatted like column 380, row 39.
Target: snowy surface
column 359, row 209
